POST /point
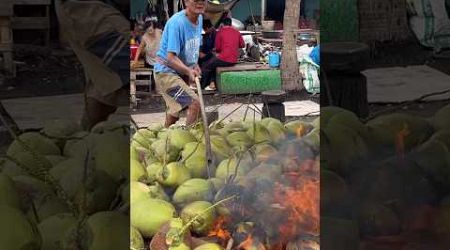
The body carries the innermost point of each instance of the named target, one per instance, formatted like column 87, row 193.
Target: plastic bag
column 310, row 73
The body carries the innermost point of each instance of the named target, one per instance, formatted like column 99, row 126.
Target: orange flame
column 300, row 131
column 218, row 229
column 250, row 244
column 400, row 141
column 301, row 204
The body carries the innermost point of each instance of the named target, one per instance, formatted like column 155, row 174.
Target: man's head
column 227, row 21
column 196, row 7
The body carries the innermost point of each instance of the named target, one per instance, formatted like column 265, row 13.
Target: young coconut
column 180, row 137
column 193, row 190
column 17, row 231
column 164, row 150
column 204, row 221
column 173, row 174
column 9, row 196
column 142, row 137
column 209, row 246
column 264, row 152
column 137, row 171
column 54, row 228
column 220, row 147
column 231, row 167
column 441, row 119
column 152, row 170
column 194, row 158
column 149, row 214
column 259, row 134
column 239, row 139
column 298, row 128
column 136, row 240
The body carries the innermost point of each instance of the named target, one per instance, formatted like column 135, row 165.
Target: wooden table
column 134, row 73
column 33, row 22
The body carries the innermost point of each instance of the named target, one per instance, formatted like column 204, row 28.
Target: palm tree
column 290, row 75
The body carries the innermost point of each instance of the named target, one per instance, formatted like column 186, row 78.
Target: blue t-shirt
column 315, row 55
column 181, row 37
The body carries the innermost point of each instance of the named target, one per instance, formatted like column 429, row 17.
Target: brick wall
column 383, row 20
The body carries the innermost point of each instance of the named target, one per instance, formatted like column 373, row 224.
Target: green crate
column 246, row 82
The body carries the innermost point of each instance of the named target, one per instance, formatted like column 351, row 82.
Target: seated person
column 228, row 43
column 206, row 50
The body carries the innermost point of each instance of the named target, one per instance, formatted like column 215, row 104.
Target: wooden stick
column 206, row 127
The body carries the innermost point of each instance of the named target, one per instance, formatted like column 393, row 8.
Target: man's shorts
column 114, row 52
column 176, row 93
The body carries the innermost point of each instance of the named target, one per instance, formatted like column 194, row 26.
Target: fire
column 300, row 131
column 400, row 141
column 219, row 230
column 301, row 205
column 251, row 244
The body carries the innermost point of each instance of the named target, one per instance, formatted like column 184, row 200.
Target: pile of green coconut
column 60, row 188
column 385, row 177
column 173, row 188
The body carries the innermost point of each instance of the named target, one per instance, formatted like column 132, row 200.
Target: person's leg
column 219, row 63
column 170, row 119
column 193, row 113
column 208, row 70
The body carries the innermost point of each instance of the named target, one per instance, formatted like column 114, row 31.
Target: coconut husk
column 159, row 240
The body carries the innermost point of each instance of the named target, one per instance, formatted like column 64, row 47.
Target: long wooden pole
column 205, row 127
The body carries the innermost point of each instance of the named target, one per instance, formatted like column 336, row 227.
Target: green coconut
column 193, row 190
column 194, row 157
column 298, row 128
column 384, row 131
column 209, row 246
column 106, row 230
column 217, row 183
column 152, row 170
column 173, row 174
column 11, row 169
column 377, row 220
column 341, row 159
column 441, row 119
column 339, row 234
column 350, row 120
column 46, row 207
column 54, row 228
column 203, row 224
column 139, row 191
column 149, row 158
column 264, row 152
column 9, row 195
column 326, row 113
column 76, row 146
column 137, row 171
column 259, row 134
column 316, row 123
column 228, row 167
column 112, row 153
column 136, row 240
column 234, row 126
column 276, row 129
column 30, row 188
column 142, row 137
column 432, row 158
column 60, row 128
column 17, row 231
column 149, row 215
column 239, row 139
column 36, row 142
column 180, row 137
column 220, row 147
column 313, row 138
column 335, row 197
column 442, row 136
column 164, row 150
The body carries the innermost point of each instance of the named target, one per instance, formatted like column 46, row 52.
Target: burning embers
column 270, row 215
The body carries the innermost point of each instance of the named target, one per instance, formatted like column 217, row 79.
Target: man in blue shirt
column 177, row 59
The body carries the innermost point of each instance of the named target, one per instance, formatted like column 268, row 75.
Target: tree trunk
column 290, row 75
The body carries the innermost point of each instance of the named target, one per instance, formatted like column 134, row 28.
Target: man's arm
column 175, row 63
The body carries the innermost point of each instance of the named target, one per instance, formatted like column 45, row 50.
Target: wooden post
column 290, row 75
column 263, row 10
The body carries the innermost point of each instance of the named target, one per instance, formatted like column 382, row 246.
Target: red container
column 133, row 51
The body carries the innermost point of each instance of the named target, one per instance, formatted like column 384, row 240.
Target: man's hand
column 198, row 70
column 194, row 73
